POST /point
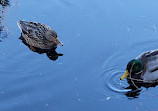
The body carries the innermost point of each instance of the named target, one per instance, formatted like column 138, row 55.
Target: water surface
column 99, row 37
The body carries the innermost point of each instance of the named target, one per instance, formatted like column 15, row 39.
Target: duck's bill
column 58, row 42
column 61, row 44
column 124, row 75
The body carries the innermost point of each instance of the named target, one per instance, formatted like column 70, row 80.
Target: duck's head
column 52, row 36
column 134, row 67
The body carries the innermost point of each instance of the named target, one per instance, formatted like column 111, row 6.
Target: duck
column 143, row 70
column 38, row 35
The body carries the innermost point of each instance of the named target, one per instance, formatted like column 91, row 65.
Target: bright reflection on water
column 99, row 37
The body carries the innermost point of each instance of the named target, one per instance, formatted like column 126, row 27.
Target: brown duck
column 38, row 35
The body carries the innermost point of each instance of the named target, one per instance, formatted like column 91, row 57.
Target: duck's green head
column 134, row 67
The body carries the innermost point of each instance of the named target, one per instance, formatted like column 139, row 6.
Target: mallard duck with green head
column 38, row 35
column 143, row 69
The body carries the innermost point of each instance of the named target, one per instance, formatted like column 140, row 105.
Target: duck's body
column 150, row 63
column 143, row 69
column 38, row 35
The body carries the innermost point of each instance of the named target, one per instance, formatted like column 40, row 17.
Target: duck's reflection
column 133, row 94
column 135, row 88
column 51, row 53
column 3, row 28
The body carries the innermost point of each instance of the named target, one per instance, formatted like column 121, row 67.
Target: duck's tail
column 23, row 26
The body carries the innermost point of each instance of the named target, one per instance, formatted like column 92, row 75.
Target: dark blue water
column 99, row 38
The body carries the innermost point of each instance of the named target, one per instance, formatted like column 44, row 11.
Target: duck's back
column 150, row 61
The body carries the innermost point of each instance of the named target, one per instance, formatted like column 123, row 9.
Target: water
column 99, row 37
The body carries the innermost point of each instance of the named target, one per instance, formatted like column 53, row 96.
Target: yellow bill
column 124, row 75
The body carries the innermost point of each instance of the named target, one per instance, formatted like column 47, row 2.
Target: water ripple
column 113, row 87
column 114, row 66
